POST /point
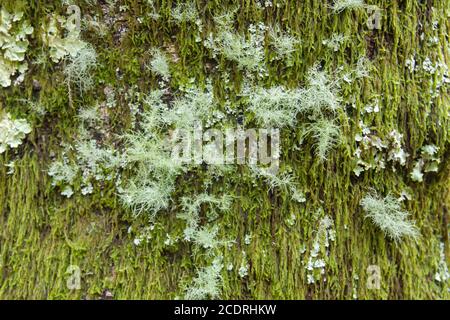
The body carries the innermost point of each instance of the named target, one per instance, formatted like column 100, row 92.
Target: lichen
column 387, row 215
column 65, row 43
column 139, row 225
column 12, row 132
column 14, row 32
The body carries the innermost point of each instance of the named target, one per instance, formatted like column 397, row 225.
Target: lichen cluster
column 98, row 95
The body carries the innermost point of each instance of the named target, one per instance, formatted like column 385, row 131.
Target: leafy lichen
column 12, row 132
column 14, row 32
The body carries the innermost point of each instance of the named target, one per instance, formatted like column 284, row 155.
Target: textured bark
column 43, row 233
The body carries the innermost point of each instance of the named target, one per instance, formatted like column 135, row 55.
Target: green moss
column 43, row 233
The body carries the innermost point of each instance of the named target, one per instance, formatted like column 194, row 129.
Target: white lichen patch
column 428, row 162
column 372, row 152
column 341, row 5
column 319, row 252
column 191, row 214
column 12, row 132
column 284, row 182
column 61, row 43
column 208, row 282
column 87, row 162
column 433, row 71
column 283, row 43
column 159, row 64
column 442, row 275
column 326, row 134
column 387, row 215
column 243, row 269
column 79, row 68
column 274, row 107
column 335, row 41
column 245, row 50
column 14, row 32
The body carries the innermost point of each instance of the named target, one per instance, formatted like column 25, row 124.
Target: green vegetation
column 89, row 116
column 388, row 216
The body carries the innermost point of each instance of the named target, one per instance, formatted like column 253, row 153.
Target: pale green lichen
column 12, row 132
column 79, row 68
column 150, row 197
column 442, row 275
column 13, row 46
column 208, row 282
column 428, row 162
column 185, row 12
column 321, row 93
column 191, row 214
column 159, row 64
column 283, row 181
column 274, row 107
column 387, row 215
column 62, row 44
column 335, row 41
column 318, row 255
column 372, row 152
column 87, row 162
column 326, row 135
column 162, row 190
column 341, row 5
column 246, row 51
column 279, row 106
column 284, row 44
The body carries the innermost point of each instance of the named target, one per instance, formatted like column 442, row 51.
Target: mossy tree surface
column 43, row 233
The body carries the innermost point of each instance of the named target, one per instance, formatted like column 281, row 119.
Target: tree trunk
column 47, row 239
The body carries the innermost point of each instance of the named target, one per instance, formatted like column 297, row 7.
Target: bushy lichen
column 247, row 52
column 207, row 283
column 12, row 131
column 79, row 68
column 159, row 64
column 341, row 5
